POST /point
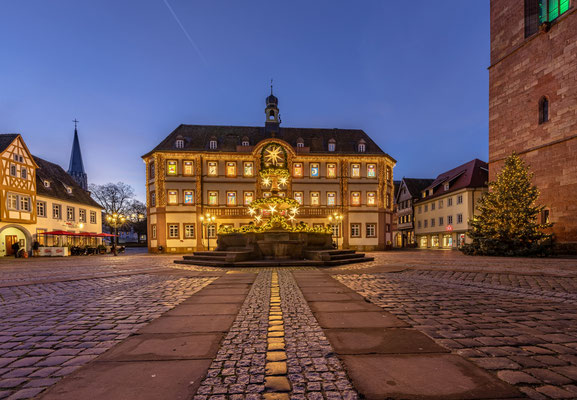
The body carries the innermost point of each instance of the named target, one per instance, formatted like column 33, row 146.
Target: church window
column 56, row 211
column 152, row 170
column 171, row 167
column 298, row 170
column 355, row 170
column 70, row 213
column 179, row 144
column 172, row 197
column 231, row 198
column 213, row 198
column 543, row 110
column 188, row 168
column 231, row 169
column 371, row 198
column 188, row 197
column 315, row 170
column 331, row 198
column 331, row 170
column 371, row 171
column 248, row 198
column 189, row 231
column 332, row 145
column 92, row 217
column 82, row 215
column 24, row 173
column 212, row 144
column 355, row 198
column 248, row 169
column 315, row 198
column 298, row 196
column 41, row 208
column 212, row 168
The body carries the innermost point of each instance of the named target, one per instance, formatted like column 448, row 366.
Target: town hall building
column 207, row 169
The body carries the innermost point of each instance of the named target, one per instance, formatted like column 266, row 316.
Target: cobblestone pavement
column 523, row 328
column 49, row 330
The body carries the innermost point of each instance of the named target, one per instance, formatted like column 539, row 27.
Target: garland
column 275, row 222
column 274, row 171
column 265, row 201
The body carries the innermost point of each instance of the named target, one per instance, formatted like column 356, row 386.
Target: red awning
column 85, row 234
column 105, row 235
column 59, row 233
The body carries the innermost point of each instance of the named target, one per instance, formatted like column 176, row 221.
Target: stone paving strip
column 526, row 340
column 385, row 357
column 47, row 337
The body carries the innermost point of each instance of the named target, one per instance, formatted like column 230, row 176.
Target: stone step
column 346, row 256
column 333, row 263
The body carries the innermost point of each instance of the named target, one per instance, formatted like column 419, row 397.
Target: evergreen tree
column 507, row 220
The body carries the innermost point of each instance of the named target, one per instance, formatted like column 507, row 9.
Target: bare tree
column 138, row 219
column 116, row 198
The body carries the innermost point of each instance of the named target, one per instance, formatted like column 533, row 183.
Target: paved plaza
column 411, row 324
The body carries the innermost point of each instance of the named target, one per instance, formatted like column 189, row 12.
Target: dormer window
column 300, row 142
column 361, row 146
column 68, row 190
column 332, row 145
column 245, row 142
column 179, row 144
column 446, row 186
column 212, row 145
column 46, row 184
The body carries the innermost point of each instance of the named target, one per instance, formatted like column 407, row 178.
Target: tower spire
column 271, row 111
column 76, row 166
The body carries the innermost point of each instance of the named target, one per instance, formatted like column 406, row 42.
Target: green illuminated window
column 551, row 9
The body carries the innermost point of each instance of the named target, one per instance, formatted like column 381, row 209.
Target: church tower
column 271, row 125
column 76, row 167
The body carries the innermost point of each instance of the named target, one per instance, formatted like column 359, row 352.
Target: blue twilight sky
column 412, row 74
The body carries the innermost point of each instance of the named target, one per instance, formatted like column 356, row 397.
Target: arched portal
column 9, row 234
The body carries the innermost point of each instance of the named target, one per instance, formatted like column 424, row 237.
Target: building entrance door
column 10, row 240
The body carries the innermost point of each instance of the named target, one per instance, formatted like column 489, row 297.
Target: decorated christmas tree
column 507, row 222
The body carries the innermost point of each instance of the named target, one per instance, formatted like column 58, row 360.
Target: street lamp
column 209, row 219
column 115, row 221
column 337, row 218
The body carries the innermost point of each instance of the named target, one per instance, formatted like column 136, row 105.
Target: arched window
column 361, row 146
column 245, row 141
column 300, row 142
column 332, row 144
column 179, row 144
column 543, row 110
column 212, row 145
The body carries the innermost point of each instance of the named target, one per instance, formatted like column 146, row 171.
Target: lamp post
column 337, row 218
column 115, row 221
column 209, row 219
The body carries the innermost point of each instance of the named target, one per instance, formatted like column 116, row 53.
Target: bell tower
column 271, row 111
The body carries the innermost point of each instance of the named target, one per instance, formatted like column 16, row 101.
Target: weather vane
column 75, row 122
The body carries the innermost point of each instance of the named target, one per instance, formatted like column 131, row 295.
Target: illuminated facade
column 200, row 169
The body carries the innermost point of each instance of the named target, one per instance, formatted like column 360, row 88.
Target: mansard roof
column 59, row 181
column 316, row 140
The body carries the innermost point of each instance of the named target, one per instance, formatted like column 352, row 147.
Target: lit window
column 371, row 230
column 356, row 230
column 355, row 170
column 298, row 170
column 211, row 230
column 248, row 198
column 361, row 147
column 188, row 197
column 153, row 231
column 68, row 190
column 12, row 202
column 371, row 198
column 331, row 170
column 180, row 144
column 92, row 217
column 151, row 171
column 212, row 168
column 41, row 208
column 46, row 184
column 446, row 186
column 187, row 168
column 315, row 170
column 171, row 167
column 70, row 213
column 212, row 144
column 231, row 169
column 355, row 198
column 551, row 9
column 248, row 169
column 189, row 231
column 388, row 205
column 56, row 211
column 389, row 173
column 82, row 215
column 152, row 199
column 172, row 197
column 371, row 171
column 298, row 196
column 173, row 231
column 331, row 198
column 24, row 203
column 315, row 198
column 213, row 198
column 231, row 198
column 245, row 142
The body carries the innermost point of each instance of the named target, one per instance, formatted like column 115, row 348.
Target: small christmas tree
column 507, row 220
